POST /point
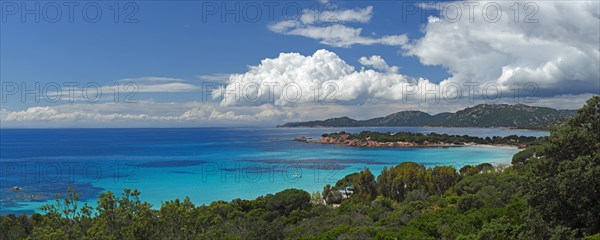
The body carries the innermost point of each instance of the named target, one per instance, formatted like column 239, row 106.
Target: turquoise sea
column 206, row 164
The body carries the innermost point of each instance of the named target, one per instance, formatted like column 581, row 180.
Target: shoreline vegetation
column 432, row 127
column 552, row 192
column 417, row 140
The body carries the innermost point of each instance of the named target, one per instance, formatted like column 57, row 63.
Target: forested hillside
column 482, row 115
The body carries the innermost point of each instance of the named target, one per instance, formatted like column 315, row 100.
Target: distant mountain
column 483, row 115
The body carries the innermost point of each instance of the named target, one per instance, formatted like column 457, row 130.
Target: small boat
column 297, row 175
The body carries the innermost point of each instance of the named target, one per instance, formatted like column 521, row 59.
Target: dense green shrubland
column 420, row 138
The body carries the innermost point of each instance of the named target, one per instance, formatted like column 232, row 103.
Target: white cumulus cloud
column 377, row 63
column 328, row 28
column 557, row 48
column 362, row 15
column 292, row 78
column 152, row 84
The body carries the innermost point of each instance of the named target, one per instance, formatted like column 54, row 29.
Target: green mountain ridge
column 482, row 115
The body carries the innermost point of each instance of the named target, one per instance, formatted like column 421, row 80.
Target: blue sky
column 171, row 40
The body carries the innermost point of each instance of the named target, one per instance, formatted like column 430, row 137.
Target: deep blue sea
column 206, row 164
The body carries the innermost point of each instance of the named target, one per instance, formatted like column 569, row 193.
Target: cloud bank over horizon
column 202, row 114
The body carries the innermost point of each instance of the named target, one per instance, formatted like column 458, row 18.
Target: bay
column 206, row 164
